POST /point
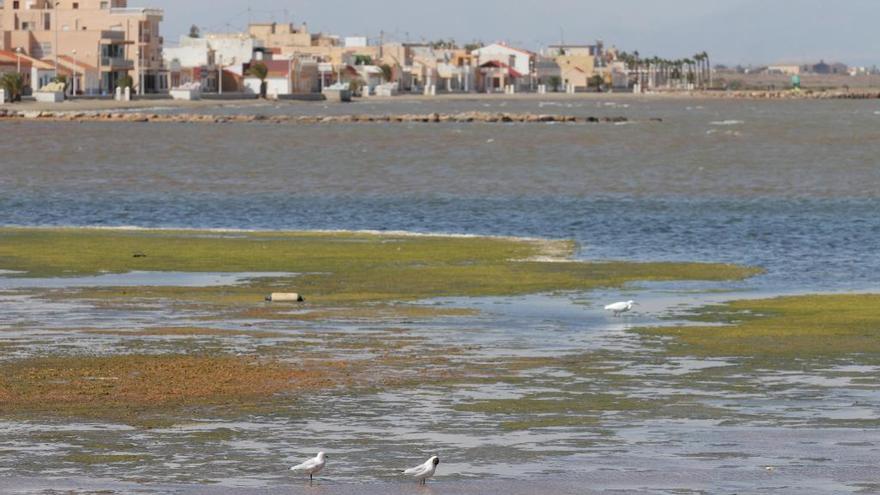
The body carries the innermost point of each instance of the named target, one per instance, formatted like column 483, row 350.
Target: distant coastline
column 153, row 104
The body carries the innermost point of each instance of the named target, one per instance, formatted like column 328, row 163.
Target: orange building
column 106, row 36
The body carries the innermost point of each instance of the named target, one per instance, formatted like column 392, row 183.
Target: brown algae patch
column 784, row 327
column 129, row 384
column 186, row 332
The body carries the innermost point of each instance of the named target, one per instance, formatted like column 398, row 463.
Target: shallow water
column 790, row 186
column 796, row 190
column 135, row 279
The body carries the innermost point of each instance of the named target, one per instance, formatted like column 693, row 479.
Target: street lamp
column 220, row 74
column 289, row 74
column 55, row 48
column 18, row 55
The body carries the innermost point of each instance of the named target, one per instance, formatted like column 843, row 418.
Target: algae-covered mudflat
column 145, row 359
column 492, row 351
column 344, row 277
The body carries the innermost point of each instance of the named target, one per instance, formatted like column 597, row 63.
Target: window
column 75, row 5
column 43, row 50
column 27, row 26
column 105, row 5
column 16, row 4
column 47, row 22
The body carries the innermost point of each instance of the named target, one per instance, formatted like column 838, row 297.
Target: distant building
column 290, row 76
column 355, row 42
column 275, row 35
column 576, row 70
column 106, row 35
column 600, row 55
column 825, row 68
column 35, row 72
column 784, row 69
column 203, row 59
column 501, row 65
column 547, row 72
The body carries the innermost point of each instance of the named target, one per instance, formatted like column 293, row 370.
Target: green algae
column 330, row 268
column 797, row 327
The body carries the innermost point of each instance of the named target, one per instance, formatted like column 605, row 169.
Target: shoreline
column 167, row 102
column 408, row 118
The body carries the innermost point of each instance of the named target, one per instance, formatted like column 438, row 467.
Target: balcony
column 116, row 63
column 137, row 11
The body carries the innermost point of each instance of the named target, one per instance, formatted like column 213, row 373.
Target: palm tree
column 690, row 71
column 387, row 72
column 698, row 69
column 638, row 65
column 708, row 67
column 261, row 72
column 13, row 84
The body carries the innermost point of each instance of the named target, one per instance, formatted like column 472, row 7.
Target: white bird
column 620, row 307
column 423, row 472
column 312, row 466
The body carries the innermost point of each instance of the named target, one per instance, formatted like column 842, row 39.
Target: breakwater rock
column 788, row 94
column 464, row 117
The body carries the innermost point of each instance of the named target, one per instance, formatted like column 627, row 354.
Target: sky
column 731, row 31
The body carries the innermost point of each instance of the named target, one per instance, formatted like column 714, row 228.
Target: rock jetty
column 189, row 118
column 788, row 94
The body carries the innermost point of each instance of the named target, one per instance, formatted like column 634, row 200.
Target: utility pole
column 73, row 86
column 220, row 75
column 55, row 48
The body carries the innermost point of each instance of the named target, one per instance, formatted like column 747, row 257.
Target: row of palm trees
column 656, row 72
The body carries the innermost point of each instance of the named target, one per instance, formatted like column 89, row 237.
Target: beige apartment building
column 105, row 35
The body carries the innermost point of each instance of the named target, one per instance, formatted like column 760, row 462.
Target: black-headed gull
column 312, row 466
column 620, row 307
column 423, row 472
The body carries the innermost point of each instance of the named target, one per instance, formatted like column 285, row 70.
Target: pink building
column 104, row 36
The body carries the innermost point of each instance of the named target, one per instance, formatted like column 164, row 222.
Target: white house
column 201, row 58
column 501, row 65
column 355, row 42
column 278, row 82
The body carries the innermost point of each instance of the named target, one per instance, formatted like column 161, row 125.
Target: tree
column 125, row 82
column 261, row 72
column 387, row 72
column 554, row 82
column 356, row 86
column 708, row 68
column 690, row 64
column 596, row 82
column 195, row 32
column 363, row 60
column 476, row 45
column 13, row 84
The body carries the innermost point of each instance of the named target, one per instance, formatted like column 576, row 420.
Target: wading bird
column 620, row 307
column 312, row 466
column 423, row 472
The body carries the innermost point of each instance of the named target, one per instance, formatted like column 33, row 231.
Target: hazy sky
column 732, row 31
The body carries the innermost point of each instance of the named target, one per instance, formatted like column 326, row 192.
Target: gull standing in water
column 423, row 472
column 312, row 466
column 620, row 307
